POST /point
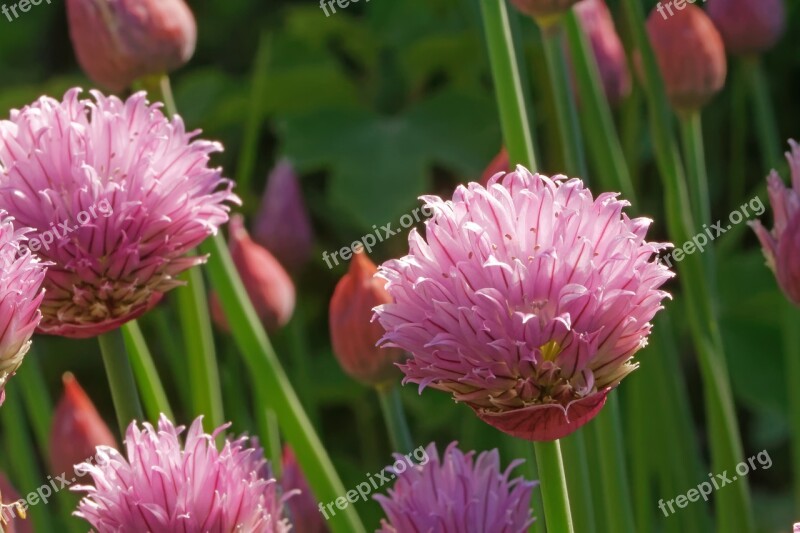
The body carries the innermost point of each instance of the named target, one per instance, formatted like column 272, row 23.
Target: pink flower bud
column 353, row 332
column 119, row 41
column 690, row 54
column 76, row 431
column 269, row 286
column 283, row 225
column 748, row 26
column 596, row 21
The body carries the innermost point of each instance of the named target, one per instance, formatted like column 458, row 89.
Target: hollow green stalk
column 151, row 390
column 552, row 477
column 120, row 379
column 38, row 404
column 734, row 511
column 616, row 490
column 791, row 339
column 601, row 133
column 764, row 112
column 694, row 155
column 508, row 89
column 579, row 481
column 395, row 417
column 566, row 112
column 271, row 383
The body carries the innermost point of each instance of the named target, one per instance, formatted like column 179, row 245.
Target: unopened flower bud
column 270, row 288
column 76, row 431
column 302, row 508
column 354, row 333
column 748, row 26
column 690, row 54
column 283, row 225
column 595, row 19
column 119, row 41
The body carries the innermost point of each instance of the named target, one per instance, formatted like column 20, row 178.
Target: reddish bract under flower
column 77, row 429
column 526, row 300
column 354, row 334
column 456, row 494
column 118, row 195
column 165, row 485
column 690, row 54
column 499, row 164
column 782, row 245
column 120, row 41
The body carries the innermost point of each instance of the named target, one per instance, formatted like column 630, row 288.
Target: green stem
column 616, row 491
column 694, row 153
column 766, row 125
column 576, row 467
column 38, row 403
column 737, row 168
column 269, row 433
column 601, row 133
column 791, row 339
column 641, row 444
column 566, row 113
column 734, row 511
column 120, row 379
column 204, row 384
column 554, row 487
column 395, row 417
column 25, row 471
column 153, row 396
column 521, row 449
column 258, row 87
column 270, row 380
column 507, row 86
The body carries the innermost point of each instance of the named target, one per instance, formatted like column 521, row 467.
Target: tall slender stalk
column 734, row 511
column 791, row 339
column 154, row 397
column 764, row 112
column 616, row 490
column 554, row 487
column 38, row 403
column 395, row 417
column 271, row 383
column 566, row 112
column 120, row 379
column 508, row 89
column 601, row 133
column 579, row 481
column 694, row 155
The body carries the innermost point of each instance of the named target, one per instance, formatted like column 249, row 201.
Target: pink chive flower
column 596, row 21
column 526, row 300
column 782, row 245
column 166, row 485
column 117, row 194
column 21, row 278
column 457, row 494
